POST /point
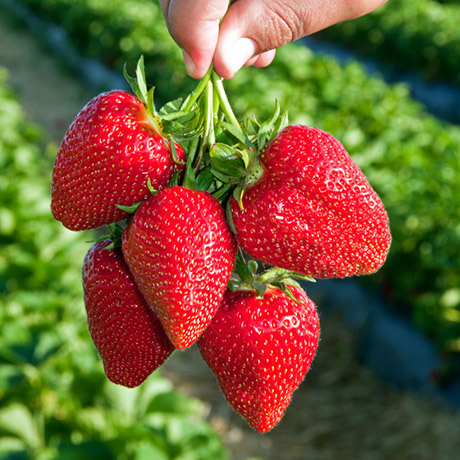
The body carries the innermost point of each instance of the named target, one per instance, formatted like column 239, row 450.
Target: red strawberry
column 260, row 351
column 107, row 156
column 181, row 253
column 312, row 211
column 126, row 333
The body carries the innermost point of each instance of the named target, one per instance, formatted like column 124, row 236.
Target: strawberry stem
column 196, row 93
column 223, row 99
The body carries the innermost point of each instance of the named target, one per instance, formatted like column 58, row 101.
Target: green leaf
column 204, row 180
column 148, row 451
column 174, row 152
column 141, row 83
column 260, row 288
column 171, row 107
column 221, row 193
column 150, row 103
column 238, row 194
column 174, row 179
column 13, row 448
column 243, row 270
column 238, row 134
column 122, row 399
column 138, row 84
column 280, row 274
column 18, row 420
column 150, row 187
column 268, row 130
column 129, row 209
column 10, row 377
column 233, row 284
column 253, row 266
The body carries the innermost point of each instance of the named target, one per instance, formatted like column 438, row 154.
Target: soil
column 341, row 411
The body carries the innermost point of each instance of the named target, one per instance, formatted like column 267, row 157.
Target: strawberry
column 107, row 156
column 260, row 350
column 181, row 253
column 312, row 210
column 126, row 333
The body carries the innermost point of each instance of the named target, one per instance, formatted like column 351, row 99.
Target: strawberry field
column 56, row 401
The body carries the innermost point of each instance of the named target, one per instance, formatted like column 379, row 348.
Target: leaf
column 138, row 84
column 253, row 266
column 220, row 193
column 10, row 377
column 174, row 179
column 86, row 450
column 243, row 270
column 204, row 180
column 49, row 343
column 174, row 152
column 147, row 451
column 141, row 83
column 280, row 274
column 122, row 399
column 13, row 449
column 268, row 130
column 150, row 187
column 129, row 209
column 171, row 107
column 238, row 194
column 260, row 288
column 236, row 133
column 95, row 420
column 172, row 402
column 18, row 420
column 150, row 104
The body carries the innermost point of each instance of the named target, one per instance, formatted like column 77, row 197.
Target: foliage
column 56, row 401
column 421, row 35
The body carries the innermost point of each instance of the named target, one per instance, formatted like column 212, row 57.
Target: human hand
column 251, row 30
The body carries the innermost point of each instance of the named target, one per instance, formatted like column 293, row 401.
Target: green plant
column 421, row 36
column 55, row 400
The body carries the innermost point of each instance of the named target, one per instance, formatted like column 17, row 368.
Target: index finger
column 194, row 25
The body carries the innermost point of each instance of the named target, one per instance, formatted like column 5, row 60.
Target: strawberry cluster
column 211, row 221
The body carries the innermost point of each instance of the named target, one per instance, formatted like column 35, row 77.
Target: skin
column 251, row 30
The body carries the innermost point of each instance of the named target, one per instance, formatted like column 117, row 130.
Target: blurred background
column 386, row 380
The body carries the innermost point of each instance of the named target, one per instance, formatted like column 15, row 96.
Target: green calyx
column 115, row 236
column 222, row 154
column 248, row 276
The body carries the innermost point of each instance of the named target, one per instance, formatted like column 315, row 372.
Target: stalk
column 223, row 99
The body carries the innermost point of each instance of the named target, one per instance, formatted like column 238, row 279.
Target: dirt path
column 340, row 412
column 50, row 95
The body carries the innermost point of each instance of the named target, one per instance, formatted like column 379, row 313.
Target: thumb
column 252, row 27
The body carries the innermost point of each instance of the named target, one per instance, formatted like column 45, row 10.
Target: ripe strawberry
column 260, row 351
column 312, row 210
column 126, row 333
column 181, row 253
column 107, row 156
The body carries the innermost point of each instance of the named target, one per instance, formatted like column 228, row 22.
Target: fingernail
column 239, row 52
column 189, row 64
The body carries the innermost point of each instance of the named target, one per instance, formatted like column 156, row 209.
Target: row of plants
column 423, row 36
column 56, row 402
column 410, row 158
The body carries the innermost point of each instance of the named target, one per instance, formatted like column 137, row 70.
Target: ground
column 341, row 411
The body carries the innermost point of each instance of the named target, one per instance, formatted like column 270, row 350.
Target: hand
column 251, row 30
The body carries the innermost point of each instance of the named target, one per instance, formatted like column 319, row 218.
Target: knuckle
column 285, row 24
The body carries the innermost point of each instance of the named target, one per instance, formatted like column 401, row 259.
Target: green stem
column 210, row 106
column 223, row 99
column 195, row 94
column 208, row 134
